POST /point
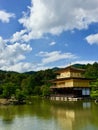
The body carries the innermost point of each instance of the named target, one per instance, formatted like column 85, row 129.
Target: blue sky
column 41, row 34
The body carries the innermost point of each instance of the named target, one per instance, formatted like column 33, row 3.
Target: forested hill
column 20, row 85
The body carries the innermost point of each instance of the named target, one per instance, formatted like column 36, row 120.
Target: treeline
column 21, row 85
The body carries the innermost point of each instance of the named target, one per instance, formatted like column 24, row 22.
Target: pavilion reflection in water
column 74, row 117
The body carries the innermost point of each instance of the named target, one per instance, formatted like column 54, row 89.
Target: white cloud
column 56, row 16
column 5, row 16
column 19, row 67
column 12, row 57
column 92, row 39
column 49, row 57
column 44, row 17
column 13, row 54
column 52, row 43
column 17, row 36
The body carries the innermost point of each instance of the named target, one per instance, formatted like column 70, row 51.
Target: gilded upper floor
column 70, row 72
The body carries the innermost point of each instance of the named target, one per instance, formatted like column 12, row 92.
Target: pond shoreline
column 5, row 101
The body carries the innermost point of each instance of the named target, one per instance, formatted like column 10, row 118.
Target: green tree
column 8, row 90
column 20, row 96
column 94, row 90
column 45, row 90
column 28, row 85
column 92, row 71
column 37, row 90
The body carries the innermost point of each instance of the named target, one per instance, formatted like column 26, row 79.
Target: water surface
column 50, row 115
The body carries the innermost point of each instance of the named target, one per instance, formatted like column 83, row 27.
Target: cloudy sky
column 41, row 34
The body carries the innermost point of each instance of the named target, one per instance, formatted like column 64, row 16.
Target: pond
column 50, row 115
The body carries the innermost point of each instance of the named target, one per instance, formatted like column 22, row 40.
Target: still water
column 50, row 115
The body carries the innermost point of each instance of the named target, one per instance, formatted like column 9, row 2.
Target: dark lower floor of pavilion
column 77, row 92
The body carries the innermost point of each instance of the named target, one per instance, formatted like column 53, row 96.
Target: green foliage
column 37, row 90
column 94, row 86
column 94, row 94
column 8, row 90
column 20, row 96
column 45, row 90
column 22, row 85
column 92, row 71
